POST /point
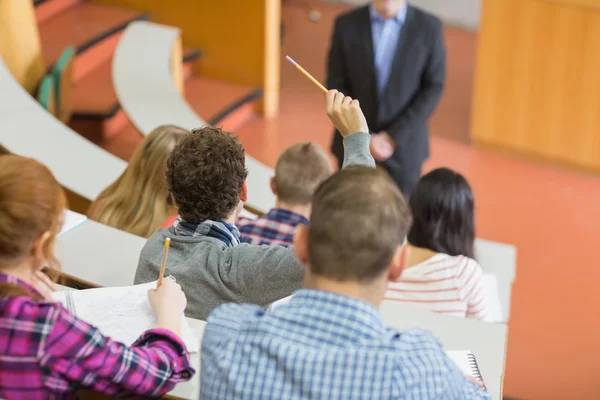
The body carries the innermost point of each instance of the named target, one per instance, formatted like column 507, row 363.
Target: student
column 442, row 274
column 46, row 352
column 298, row 173
column 330, row 341
column 138, row 201
column 206, row 174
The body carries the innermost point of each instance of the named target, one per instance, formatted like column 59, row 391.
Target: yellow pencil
column 161, row 275
column 309, row 76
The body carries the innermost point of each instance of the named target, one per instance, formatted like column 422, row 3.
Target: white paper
column 122, row 313
column 461, row 359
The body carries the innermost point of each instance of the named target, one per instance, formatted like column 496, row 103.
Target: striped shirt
column 323, row 345
column 444, row 284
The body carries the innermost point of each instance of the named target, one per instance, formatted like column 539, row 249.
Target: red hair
column 31, row 203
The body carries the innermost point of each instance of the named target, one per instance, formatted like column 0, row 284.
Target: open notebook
column 466, row 362
column 122, row 313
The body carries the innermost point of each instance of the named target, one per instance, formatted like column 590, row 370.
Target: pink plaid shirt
column 46, row 353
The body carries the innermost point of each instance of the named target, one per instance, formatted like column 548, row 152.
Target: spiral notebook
column 466, row 362
column 121, row 313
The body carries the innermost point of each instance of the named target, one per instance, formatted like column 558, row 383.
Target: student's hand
column 168, row 302
column 381, row 146
column 168, row 298
column 345, row 113
column 476, row 381
column 44, row 285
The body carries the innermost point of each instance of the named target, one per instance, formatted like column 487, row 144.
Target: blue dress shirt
column 322, row 345
column 385, row 34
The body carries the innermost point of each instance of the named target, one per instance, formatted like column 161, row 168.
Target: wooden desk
column 145, row 87
column 27, row 129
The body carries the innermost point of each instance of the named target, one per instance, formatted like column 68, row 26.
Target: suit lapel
column 406, row 35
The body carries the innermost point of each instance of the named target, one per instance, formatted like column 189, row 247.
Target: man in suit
column 390, row 56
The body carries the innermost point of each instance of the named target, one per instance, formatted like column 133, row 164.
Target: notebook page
column 123, row 313
column 461, row 359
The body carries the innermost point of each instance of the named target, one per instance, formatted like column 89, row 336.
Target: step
column 94, row 95
column 83, row 25
column 46, row 9
column 223, row 104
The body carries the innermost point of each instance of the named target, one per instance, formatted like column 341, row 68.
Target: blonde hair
column 139, row 201
column 31, row 203
column 299, row 172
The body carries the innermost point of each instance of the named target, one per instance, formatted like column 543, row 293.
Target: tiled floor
column 553, row 216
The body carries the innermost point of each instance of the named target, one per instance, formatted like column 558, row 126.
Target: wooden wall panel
column 20, row 46
column 239, row 38
column 537, row 85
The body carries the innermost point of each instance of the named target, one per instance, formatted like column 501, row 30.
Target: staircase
column 94, row 31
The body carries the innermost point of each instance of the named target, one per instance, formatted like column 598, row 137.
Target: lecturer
column 391, row 57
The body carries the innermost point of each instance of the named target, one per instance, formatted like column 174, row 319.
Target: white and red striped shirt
column 444, row 284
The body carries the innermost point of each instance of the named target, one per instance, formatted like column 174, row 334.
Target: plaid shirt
column 46, row 352
column 323, row 345
column 276, row 227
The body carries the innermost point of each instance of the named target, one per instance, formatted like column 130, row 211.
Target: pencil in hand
column 163, row 265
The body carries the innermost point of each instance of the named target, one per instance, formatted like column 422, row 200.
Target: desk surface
column 487, row 341
column 99, row 254
column 146, row 90
column 499, row 259
column 28, row 130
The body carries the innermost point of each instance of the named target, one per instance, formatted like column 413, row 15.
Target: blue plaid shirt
column 275, row 227
column 323, row 345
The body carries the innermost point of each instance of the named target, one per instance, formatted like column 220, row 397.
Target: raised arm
column 348, row 118
column 77, row 355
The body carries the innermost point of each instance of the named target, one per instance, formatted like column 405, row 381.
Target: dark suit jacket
column 413, row 90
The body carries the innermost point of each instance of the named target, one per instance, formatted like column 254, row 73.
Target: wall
column 240, row 39
column 464, row 13
column 20, row 46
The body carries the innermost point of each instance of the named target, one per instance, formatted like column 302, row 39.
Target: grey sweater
column 211, row 274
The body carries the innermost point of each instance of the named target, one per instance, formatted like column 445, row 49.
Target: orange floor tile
column 551, row 215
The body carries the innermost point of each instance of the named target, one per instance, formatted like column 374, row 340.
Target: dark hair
column 299, row 171
column 442, row 206
column 205, row 173
column 358, row 220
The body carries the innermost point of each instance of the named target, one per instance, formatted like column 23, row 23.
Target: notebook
column 71, row 220
column 122, row 313
column 466, row 362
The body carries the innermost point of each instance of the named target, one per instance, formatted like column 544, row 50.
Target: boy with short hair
column 206, row 175
column 330, row 341
column 299, row 171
